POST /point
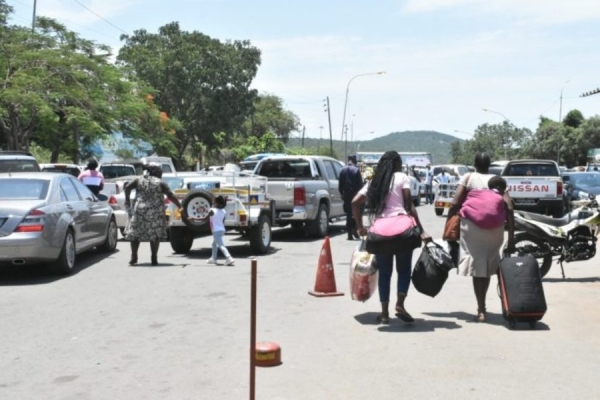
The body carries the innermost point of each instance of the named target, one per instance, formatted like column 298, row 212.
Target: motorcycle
column 571, row 238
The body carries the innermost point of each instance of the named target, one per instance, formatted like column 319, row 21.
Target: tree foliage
column 62, row 91
column 269, row 116
column 567, row 142
column 200, row 81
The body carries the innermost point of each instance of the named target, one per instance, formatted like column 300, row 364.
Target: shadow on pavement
column 492, row 319
column 368, row 318
column 297, row 234
column 420, row 325
column 396, row 325
column 40, row 274
column 572, row 280
column 160, row 264
column 237, row 251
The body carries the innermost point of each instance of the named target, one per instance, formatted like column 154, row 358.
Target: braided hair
column 382, row 180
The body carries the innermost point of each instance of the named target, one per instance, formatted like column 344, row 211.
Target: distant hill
column 436, row 143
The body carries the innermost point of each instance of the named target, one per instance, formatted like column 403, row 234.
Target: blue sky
column 444, row 60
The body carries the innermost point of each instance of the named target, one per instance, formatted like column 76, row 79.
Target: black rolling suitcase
column 521, row 291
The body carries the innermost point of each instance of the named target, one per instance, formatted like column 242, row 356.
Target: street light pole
column 33, row 18
column 506, row 120
column 560, row 120
column 346, row 100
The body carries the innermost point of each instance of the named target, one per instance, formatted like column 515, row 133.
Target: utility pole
column 33, row 18
column 328, row 109
column 303, row 132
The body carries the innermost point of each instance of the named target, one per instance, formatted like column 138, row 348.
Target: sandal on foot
column 481, row 317
column 403, row 315
column 383, row 319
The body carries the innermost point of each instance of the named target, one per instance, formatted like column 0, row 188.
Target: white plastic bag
column 363, row 274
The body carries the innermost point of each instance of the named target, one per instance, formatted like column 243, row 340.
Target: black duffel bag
column 431, row 270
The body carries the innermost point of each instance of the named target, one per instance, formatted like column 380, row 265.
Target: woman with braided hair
column 147, row 222
column 388, row 194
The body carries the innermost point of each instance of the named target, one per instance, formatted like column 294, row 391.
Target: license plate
column 525, row 201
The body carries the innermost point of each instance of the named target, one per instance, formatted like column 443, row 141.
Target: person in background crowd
column 442, row 177
column 350, row 182
column 388, row 194
column 480, row 247
column 428, row 185
column 148, row 222
column 217, row 226
column 91, row 178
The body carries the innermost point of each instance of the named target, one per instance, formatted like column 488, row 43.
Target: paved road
column 180, row 331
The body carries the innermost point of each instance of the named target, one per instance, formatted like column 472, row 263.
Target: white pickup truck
column 305, row 190
column 536, row 186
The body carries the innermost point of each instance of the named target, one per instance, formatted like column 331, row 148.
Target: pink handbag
column 392, row 226
column 392, row 234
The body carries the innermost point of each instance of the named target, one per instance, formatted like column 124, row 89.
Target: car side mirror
column 100, row 197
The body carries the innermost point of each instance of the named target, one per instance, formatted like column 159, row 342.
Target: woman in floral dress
column 148, row 222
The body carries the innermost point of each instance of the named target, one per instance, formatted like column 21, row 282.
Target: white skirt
column 479, row 249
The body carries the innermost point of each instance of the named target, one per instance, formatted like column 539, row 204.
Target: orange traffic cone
column 325, row 282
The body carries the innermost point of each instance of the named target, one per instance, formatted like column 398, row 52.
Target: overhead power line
column 100, row 16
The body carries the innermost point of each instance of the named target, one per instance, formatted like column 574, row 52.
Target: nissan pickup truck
column 305, row 191
column 536, row 186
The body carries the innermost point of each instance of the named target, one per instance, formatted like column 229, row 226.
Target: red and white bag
column 363, row 274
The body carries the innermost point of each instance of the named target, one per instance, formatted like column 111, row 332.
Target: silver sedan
column 51, row 218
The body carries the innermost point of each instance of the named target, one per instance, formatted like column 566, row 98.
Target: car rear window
column 19, row 166
column 23, row 189
column 116, row 171
column 531, row 170
column 286, row 169
column 65, row 170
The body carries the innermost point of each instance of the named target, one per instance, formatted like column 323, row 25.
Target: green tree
column 269, row 115
column 202, row 82
column 267, row 143
column 62, row 91
column 573, row 119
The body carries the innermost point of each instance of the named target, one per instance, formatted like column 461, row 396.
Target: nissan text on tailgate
column 536, row 186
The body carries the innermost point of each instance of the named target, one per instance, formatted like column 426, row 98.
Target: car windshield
column 588, row 180
column 531, row 170
column 23, row 189
column 19, row 166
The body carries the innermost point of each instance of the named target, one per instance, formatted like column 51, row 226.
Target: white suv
column 18, row 161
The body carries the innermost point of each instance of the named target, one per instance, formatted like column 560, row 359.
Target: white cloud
column 537, row 11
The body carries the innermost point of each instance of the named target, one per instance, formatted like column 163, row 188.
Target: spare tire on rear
column 196, row 206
